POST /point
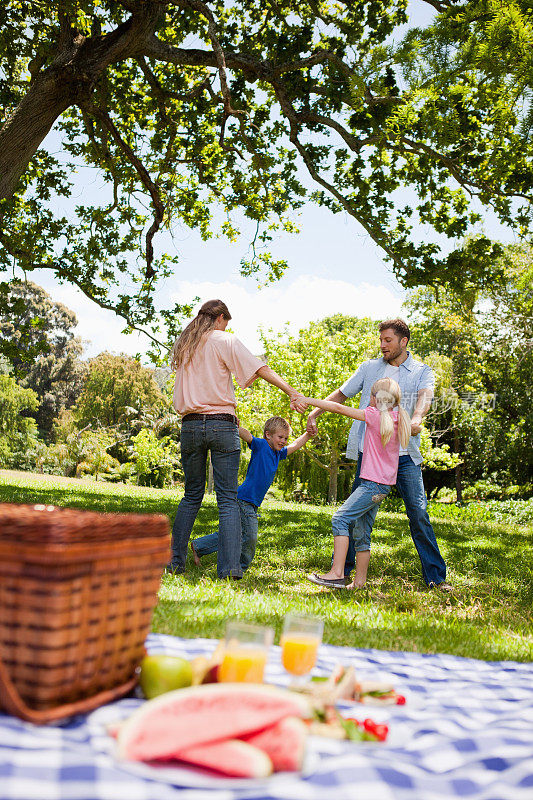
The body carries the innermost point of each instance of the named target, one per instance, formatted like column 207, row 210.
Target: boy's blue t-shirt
column 261, row 470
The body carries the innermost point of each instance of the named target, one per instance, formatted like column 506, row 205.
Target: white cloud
column 297, row 303
column 100, row 329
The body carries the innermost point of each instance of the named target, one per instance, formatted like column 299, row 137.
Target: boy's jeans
column 357, row 514
column 410, row 486
column 205, row 545
column 221, row 438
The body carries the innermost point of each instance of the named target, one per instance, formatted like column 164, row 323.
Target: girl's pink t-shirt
column 205, row 386
column 380, row 464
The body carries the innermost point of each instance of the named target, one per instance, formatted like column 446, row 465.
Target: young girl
column 387, row 426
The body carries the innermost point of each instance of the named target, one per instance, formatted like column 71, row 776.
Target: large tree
column 115, row 386
column 184, row 105
column 37, row 340
column 485, row 337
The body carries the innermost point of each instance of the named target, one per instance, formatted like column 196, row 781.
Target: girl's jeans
column 357, row 514
column 221, row 438
column 410, row 487
column 205, row 545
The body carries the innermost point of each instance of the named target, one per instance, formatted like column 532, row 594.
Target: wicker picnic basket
column 77, row 592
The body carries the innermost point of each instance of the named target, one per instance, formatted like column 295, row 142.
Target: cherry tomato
column 400, row 700
column 381, row 731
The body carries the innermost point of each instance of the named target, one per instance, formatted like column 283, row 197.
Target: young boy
column 266, row 455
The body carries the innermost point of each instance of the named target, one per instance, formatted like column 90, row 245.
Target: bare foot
column 331, row 576
column 195, row 556
column 355, row 585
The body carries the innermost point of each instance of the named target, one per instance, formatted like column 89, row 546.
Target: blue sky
column 334, row 266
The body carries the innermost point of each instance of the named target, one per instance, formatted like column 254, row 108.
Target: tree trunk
column 458, row 469
column 333, row 471
column 24, row 131
column 210, row 478
column 71, row 77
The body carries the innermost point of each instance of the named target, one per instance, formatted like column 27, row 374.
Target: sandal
column 331, row 583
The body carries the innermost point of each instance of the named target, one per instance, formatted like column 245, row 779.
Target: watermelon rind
column 283, row 742
column 231, row 757
column 185, row 718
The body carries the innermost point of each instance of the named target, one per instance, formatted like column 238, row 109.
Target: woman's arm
column 272, row 377
column 336, row 408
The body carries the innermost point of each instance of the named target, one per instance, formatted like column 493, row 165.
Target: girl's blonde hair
column 388, row 395
column 191, row 338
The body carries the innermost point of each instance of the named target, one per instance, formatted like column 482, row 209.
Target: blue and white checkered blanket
column 465, row 731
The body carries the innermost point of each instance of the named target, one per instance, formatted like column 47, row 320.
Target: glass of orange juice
column 246, row 651
column 300, row 641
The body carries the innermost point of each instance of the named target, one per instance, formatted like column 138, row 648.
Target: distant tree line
column 112, row 418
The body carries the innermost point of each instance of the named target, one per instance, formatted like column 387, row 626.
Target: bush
column 155, row 460
column 18, row 433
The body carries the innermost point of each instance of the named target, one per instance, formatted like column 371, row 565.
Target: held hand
column 298, row 402
column 312, row 427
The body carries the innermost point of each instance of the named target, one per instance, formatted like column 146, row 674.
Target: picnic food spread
column 247, row 730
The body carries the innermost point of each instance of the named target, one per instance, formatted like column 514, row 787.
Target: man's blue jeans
column 221, row 439
column 411, row 489
column 205, row 545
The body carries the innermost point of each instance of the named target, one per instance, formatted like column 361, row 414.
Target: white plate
column 196, row 778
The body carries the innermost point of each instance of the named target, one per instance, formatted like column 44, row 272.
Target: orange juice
column 298, row 652
column 243, row 665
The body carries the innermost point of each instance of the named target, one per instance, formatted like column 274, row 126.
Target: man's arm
column 298, row 443
column 295, row 396
column 353, row 387
column 337, row 397
column 423, row 404
column 245, row 435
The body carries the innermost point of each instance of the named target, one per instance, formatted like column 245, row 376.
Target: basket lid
column 46, row 524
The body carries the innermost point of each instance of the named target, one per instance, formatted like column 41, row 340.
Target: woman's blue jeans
column 410, row 486
column 204, row 545
column 221, row 439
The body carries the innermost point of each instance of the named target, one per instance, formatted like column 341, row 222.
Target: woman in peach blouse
column 204, row 359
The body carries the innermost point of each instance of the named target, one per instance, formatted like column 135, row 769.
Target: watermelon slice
column 284, row 742
column 231, row 757
column 185, row 718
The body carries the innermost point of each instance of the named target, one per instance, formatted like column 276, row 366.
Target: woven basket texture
column 77, row 592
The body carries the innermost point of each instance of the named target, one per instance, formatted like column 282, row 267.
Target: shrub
column 155, row 460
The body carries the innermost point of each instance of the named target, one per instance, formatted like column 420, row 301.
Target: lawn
column 490, row 565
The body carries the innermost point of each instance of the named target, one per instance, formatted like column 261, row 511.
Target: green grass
column 490, row 565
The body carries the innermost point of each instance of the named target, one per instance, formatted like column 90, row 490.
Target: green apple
column 160, row 674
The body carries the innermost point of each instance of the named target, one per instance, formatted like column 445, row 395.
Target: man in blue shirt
column 266, row 455
column 417, row 382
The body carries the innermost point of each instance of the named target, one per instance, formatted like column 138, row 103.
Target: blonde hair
column 191, row 338
column 390, row 395
column 276, row 423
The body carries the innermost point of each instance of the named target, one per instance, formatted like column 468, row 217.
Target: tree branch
column 146, row 180
column 17, row 254
column 293, row 117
